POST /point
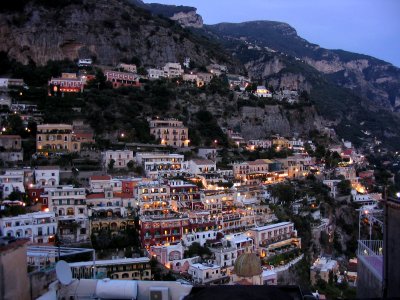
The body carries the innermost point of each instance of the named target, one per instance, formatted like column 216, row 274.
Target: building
column 247, row 270
column 275, row 237
column 154, row 74
column 162, row 163
column 170, row 132
column 259, row 144
column 47, row 176
column 119, row 79
column 205, row 273
column 14, row 281
column 391, row 244
column 56, row 138
column 153, row 198
column 173, row 70
column 11, row 181
column 67, row 83
column 10, row 148
column 201, row 166
column 263, row 92
column 123, row 268
column 120, row 158
column 39, row 227
column 127, row 67
column 69, row 204
column 323, row 268
column 259, row 166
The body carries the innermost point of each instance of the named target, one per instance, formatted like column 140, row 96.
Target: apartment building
column 275, row 237
column 121, row 269
column 161, row 163
column 47, row 176
column 121, row 158
column 69, row 204
column 52, row 138
column 170, row 132
column 39, row 227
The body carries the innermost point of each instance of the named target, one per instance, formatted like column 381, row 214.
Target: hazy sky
column 365, row 26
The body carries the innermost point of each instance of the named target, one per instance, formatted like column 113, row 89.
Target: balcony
column 370, row 255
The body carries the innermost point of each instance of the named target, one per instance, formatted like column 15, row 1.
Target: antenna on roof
column 64, row 273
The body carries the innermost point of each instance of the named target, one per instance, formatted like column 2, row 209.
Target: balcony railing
column 370, row 255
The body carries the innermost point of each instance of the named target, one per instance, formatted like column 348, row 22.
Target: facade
column 11, row 181
column 39, row 227
column 53, row 138
column 122, row 269
column 322, row 269
column 155, row 73
column 205, row 273
column 67, row 83
column 160, row 163
column 128, row 67
column 170, row 132
column 47, row 176
column 119, row 79
column 173, row 70
column 69, row 204
column 268, row 239
column 201, row 166
column 263, row 92
column 14, row 281
column 259, row 166
column 121, row 158
column 10, row 142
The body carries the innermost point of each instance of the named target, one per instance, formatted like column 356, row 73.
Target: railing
column 370, row 248
column 370, row 255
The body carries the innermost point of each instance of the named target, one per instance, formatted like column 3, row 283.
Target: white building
column 128, row 67
column 275, row 236
column 69, row 204
column 205, row 273
column 332, row 184
column 12, row 181
column 155, row 73
column 120, row 158
column 161, row 163
column 201, row 166
column 225, row 256
column 99, row 183
column 173, row 69
column 39, row 227
column 199, row 237
column 47, row 176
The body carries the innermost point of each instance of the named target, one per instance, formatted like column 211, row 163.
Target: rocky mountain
column 371, row 78
column 185, row 15
column 108, row 31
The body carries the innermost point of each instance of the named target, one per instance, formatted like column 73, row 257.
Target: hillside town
column 168, row 209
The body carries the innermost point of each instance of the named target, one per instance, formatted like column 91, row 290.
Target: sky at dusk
column 369, row 27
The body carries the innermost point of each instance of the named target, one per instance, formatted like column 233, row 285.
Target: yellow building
column 170, row 132
column 52, row 138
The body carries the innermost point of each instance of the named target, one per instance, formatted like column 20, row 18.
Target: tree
column 111, row 165
column 130, row 164
column 344, row 187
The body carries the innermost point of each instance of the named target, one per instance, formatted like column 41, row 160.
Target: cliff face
column 256, row 122
column 105, row 30
column 189, row 19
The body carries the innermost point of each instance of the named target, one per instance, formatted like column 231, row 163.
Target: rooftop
column 110, row 262
column 272, row 226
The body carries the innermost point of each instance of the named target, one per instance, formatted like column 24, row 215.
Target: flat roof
column 110, row 262
column 267, row 227
column 51, row 251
